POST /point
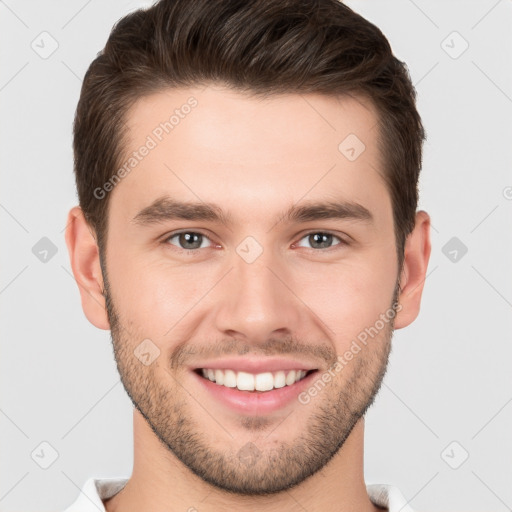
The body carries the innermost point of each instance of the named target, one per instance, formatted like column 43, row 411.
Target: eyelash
column 342, row 242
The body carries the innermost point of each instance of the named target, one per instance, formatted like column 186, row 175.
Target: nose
column 258, row 301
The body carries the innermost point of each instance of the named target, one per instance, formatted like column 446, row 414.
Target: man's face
column 254, row 290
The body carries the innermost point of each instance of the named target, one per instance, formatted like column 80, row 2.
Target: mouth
column 255, row 383
column 248, row 393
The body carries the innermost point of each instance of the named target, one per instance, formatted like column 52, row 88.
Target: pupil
column 190, row 238
column 323, row 239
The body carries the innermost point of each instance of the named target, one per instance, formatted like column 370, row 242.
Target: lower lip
column 255, row 403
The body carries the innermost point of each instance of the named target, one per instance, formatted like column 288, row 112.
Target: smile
column 245, row 381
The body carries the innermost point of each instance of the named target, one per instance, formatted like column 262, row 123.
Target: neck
column 160, row 482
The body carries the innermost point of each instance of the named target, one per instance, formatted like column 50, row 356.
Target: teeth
column 264, row 381
column 229, row 379
column 245, row 381
column 290, row 378
column 219, row 377
column 249, row 382
column 279, row 380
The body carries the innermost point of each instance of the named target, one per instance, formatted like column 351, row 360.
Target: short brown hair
column 261, row 47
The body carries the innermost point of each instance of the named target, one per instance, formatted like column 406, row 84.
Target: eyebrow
column 165, row 209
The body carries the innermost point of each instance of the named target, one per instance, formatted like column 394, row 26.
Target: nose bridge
column 256, row 302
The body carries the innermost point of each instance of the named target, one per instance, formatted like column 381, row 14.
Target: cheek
column 152, row 294
column 349, row 298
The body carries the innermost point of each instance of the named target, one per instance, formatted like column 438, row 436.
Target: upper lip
column 255, row 365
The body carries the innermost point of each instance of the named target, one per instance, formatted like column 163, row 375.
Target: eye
column 193, row 240
column 321, row 240
column 188, row 240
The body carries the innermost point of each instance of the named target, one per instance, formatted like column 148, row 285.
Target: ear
column 85, row 263
column 414, row 269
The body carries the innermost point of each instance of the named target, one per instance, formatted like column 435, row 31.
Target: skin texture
column 253, row 158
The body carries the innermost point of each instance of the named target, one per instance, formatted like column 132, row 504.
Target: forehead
column 217, row 145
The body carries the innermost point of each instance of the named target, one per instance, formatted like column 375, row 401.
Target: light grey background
column 449, row 378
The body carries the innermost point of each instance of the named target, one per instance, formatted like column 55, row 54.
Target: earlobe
column 85, row 263
column 412, row 277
